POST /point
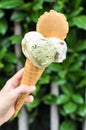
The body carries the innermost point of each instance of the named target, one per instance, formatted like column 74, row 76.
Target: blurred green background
column 20, row 16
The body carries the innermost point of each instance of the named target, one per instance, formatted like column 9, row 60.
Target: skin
column 9, row 94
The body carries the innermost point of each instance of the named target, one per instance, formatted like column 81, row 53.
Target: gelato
column 34, row 49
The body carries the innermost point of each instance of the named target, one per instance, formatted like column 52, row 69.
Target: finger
column 15, row 80
column 29, row 99
column 23, row 89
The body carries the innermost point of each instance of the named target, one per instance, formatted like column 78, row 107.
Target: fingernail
column 31, row 98
column 32, row 88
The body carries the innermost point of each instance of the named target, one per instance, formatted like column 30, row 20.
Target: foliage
column 70, row 76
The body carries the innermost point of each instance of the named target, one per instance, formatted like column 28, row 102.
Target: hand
column 9, row 95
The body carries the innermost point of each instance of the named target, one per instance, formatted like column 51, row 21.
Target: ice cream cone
column 53, row 24
column 30, row 77
column 50, row 24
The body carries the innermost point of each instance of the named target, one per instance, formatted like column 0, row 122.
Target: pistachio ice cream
column 43, row 51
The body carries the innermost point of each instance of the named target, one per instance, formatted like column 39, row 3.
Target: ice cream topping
column 43, row 51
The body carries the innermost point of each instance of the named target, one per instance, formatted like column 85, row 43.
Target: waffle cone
column 30, row 77
column 53, row 24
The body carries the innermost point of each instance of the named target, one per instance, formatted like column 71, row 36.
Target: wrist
column 1, row 122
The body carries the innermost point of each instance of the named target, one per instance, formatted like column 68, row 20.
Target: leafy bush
column 70, row 76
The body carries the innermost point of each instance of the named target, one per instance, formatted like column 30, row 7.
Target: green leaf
column 72, row 39
column 49, row 1
column 82, row 110
column 1, row 13
column 55, row 67
column 60, row 82
column 34, row 104
column 4, row 42
column 4, row 4
column 1, row 65
column 11, row 58
column 79, row 21
column 9, row 68
column 81, row 46
column 67, row 89
column 76, row 12
column 26, row 6
column 82, row 83
column 77, row 98
column 76, row 66
column 70, row 107
column 18, row 16
column 34, row 17
column 38, row 5
column 38, row 87
column 49, row 99
column 2, row 53
column 3, row 26
column 68, row 125
column 62, row 73
column 77, row 3
column 16, row 39
column 62, row 99
column 45, row 79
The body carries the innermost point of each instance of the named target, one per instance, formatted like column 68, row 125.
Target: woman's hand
column 9, row 95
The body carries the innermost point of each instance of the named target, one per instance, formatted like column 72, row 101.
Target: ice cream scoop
column 43, row 51
column 43, row 47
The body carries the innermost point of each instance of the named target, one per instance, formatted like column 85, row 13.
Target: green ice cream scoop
column 43, row 52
